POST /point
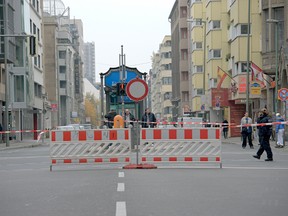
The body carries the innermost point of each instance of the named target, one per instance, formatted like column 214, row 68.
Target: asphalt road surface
column 244, row 186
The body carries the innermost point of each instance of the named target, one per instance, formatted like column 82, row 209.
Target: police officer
column 265, row 132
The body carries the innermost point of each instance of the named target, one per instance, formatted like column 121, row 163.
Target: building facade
column 179, row 41
column 161, row 81
column 275, row 51
column 64, row 64
column 89, row 61
column 24, row 84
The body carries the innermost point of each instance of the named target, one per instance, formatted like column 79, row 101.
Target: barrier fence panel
column 180, row 146
column 103, row 146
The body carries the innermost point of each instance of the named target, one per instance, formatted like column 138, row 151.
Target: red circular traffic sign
column 137, row 89
column 283, row 94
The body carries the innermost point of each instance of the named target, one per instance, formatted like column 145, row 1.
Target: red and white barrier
column 103, row 146
column 180, row 146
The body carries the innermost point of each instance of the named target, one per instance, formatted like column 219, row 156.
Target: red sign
column 137, row 89
column 283, row 94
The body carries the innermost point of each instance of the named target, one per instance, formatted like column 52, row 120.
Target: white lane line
column 121, row 209
column 121, row 175
column 120, row 187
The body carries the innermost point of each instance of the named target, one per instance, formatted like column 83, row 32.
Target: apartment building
column 219, row 52
column 180, row 76
column 24, row 82
column 63, row 64
column 161, row 81
column 275, row 51
column 89, row 61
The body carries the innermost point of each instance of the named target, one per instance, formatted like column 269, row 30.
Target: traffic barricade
column 185, row 146
column 101, row 146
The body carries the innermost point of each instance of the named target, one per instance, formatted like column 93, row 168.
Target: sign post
column 137, row 90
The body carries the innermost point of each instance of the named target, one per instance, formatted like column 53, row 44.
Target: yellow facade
column 225, row 23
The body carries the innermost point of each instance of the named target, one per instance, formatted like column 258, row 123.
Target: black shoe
column 251, row 147
column 269, row 159
column 243, row 147
column 256, row 156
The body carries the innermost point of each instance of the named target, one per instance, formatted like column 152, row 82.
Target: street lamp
column 248, row 59
column 276, row 62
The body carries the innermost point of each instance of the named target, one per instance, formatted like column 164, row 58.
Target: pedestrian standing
column 279, row 131
column 148, row 119
column 128, row 118
column 110, row 118
column 265, row 131
column 225, row 129
column 246, row 131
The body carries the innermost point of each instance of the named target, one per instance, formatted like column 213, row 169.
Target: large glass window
column 19, row 88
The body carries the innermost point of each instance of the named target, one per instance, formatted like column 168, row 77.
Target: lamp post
column 248, row 59
column 276, row 62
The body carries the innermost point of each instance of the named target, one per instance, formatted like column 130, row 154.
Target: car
column 77, row 126
column 87, row 126
column 66, row 127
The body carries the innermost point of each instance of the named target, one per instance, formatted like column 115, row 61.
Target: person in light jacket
column 246, row 131
column 279, row 131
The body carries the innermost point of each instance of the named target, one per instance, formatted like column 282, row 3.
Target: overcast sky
column 138, row 25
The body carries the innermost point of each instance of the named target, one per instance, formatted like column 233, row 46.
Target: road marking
column 256, row 168
column 121, row 187
column 121, row 175
column 121, row 209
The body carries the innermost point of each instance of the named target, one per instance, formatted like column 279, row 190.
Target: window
column 184, row 75
column 183, row 33
column 38, row 34
column 244, row 29
column 62, row 84
column 62, row 54
column 34, row 29
column 31, row 27
column 198, row 68
column 184, row 54
column 37, row 90
column 213, row 83
column 39, row 61
column 196, row 45
column 185, row 96
column 167, row 95
column 19, row 88
column 214, row 24
column 62, row 69
column 166, row 80
column 215, row 53
column 183, row 11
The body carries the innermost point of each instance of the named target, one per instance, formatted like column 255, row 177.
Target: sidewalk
column 237, row 140
column 14, row 144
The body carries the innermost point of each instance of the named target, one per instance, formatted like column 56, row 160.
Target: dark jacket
column 110, row 117
column 265, row 130
column 148, row 117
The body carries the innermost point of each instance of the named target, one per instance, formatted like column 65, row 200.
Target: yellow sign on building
column 255, row 88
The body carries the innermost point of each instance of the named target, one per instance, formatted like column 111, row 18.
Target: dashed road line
column 121, row 175
column 121, row 187
column 121, row 209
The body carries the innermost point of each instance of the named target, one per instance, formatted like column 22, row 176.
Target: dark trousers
column 225, row 133
column 265, row 146
column 246, row 135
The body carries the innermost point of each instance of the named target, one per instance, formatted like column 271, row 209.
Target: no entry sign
column 137, row 89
